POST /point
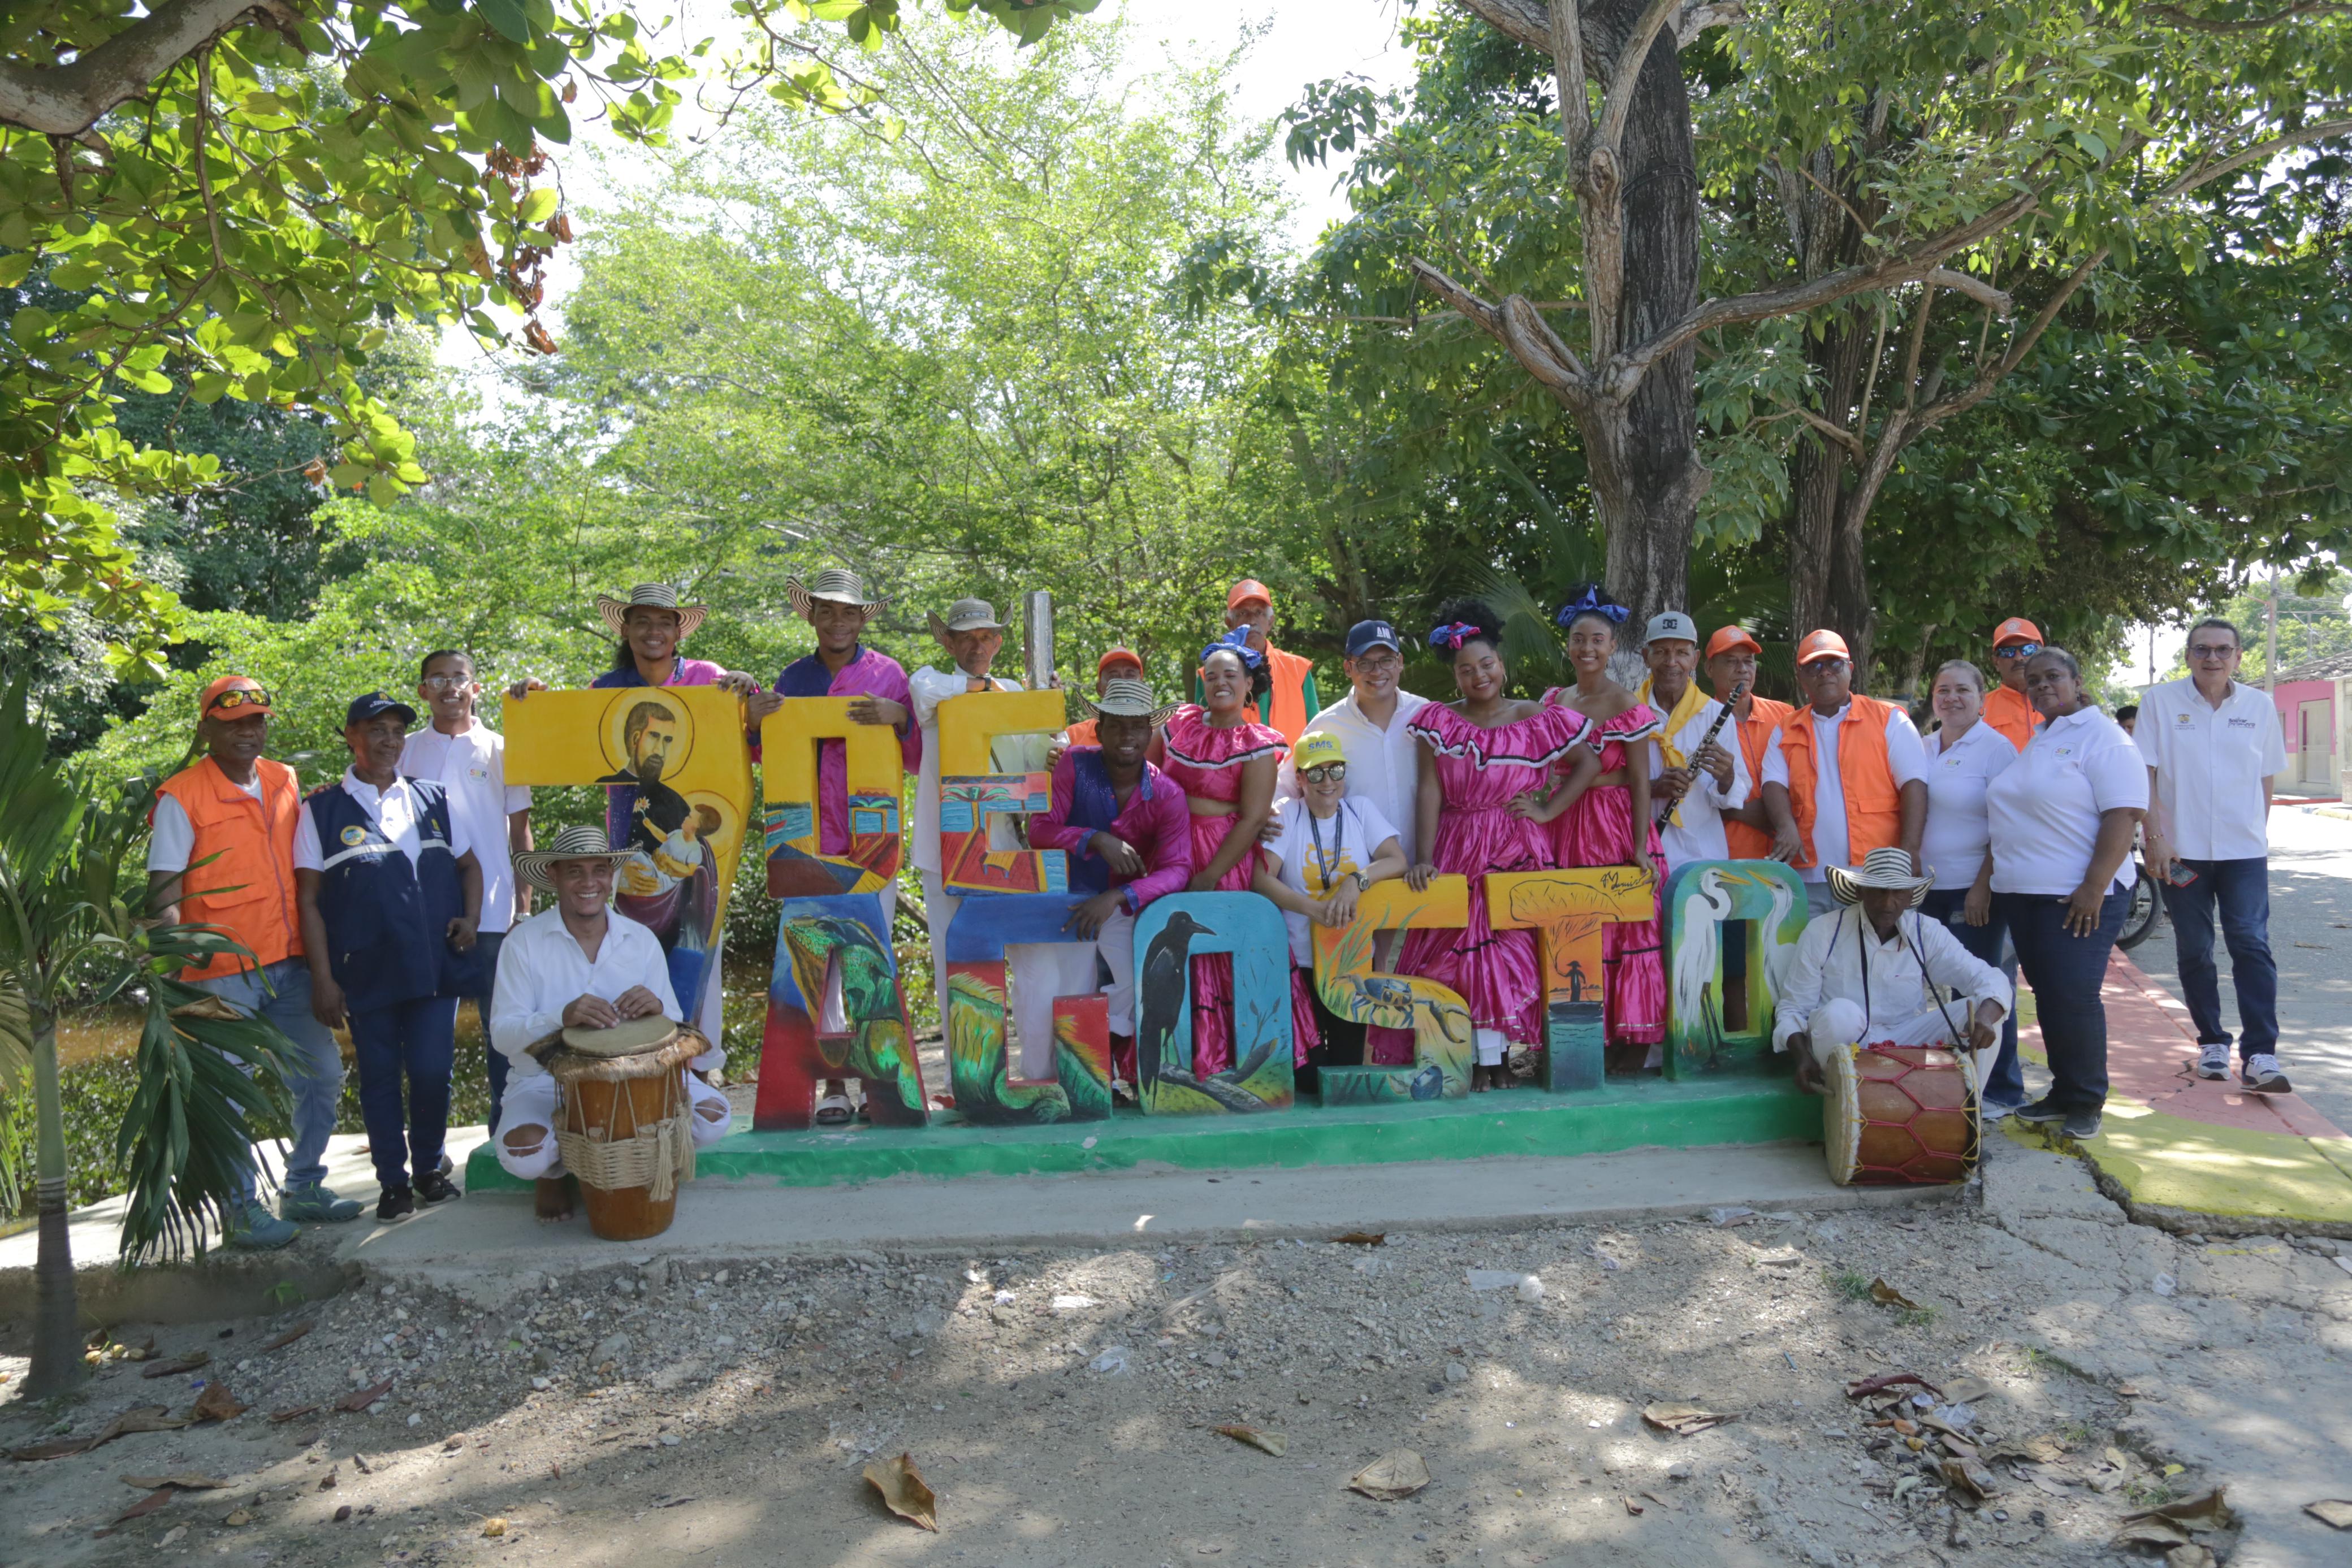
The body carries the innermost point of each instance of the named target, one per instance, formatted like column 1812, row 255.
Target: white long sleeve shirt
column 927, row 689
column 542, row 970
column 1841, row 956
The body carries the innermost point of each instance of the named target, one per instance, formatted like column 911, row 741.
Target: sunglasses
column 1329, row 772
column 2018, row 651
column 2211, row 650
column 229, row 702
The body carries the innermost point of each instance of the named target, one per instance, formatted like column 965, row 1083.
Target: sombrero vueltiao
column 576, row 843
column 1889, row 868
column 1126, row 698
column 653, row 595
column 836, row 586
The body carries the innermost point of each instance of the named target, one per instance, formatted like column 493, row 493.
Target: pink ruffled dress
column 1479, row 773
column 1206, row 763
column 1598, row 829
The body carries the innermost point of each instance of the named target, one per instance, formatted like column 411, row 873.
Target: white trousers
column 1838, row 1023
column 1040, row 971
column 530, row 1102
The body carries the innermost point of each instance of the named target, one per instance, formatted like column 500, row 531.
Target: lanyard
column 1338, row 855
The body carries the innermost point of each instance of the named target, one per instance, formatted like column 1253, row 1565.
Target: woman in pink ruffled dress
column 1478, row 757
column 1226, row 762
column 1599, row 828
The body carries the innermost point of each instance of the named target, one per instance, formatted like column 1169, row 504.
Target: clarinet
column 1739, row 689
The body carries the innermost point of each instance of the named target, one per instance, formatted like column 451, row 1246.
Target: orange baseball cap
column 2016, row 629
column 1727, row 638
column 1244, row 591
column 1118, row 656
column 227, row 683
column 1823, row 645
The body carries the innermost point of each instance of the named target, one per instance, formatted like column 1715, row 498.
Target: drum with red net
column 1900, row 1114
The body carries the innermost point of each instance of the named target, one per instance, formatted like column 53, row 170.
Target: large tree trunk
column 57, row 1366
column 1829, row 580
column 1642, row 453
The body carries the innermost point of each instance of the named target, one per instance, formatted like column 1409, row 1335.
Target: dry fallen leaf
column 1364, row 1238
column 188, row 1363
column 184, row 1483
column 215, row 1403
column 364, row 1397
column 1886, row 1380
column 2147, row 1531
column 294, row 1415
column 145, row 1505
column 1887, row 1295
column 1965, row 1390
column 290, row 1336
column 1397, row 1473
column 236, row 1516
column 494, row 1527
column 2334, row 1513
column 1272, row 1443
column 1632, row 1508
column 1969, row 1477
column 904, row 1492
column 144, row 1418
column 1685, row 1420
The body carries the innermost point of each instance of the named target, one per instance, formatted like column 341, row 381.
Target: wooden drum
column 1900, row 1113
column 624, row 1125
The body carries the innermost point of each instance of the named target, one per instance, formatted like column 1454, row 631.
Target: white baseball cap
column 1671, row 623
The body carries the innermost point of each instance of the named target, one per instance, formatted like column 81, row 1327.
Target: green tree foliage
column 245, row 198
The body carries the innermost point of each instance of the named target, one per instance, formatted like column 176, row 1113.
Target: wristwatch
column 1362, row 883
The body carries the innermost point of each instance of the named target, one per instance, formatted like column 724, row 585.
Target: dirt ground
column 1064, row 1406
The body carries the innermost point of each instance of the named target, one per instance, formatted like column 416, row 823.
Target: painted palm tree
column 880, row 1053
column 209, row 1081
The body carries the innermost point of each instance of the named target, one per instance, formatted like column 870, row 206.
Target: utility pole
column 2270, row 640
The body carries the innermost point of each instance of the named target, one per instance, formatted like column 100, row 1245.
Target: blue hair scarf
column 1594, row 603
column 1236, row 642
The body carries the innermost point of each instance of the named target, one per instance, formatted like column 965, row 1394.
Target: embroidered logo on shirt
column 477, row 772
column 2241, row 724
column 354, row 835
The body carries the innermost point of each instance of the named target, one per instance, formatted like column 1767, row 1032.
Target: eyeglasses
column 2211, row 650
column 444, row 682
column 1326, row 773
column 1379, row 659
column 2018, row 651
column 229, row 702
column 1826, row 666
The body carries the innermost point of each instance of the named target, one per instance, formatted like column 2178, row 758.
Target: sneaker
column 2080, row 1124
column 445, row 1167
column 252, row 1227
column 314, row 1204
column 398, row 1203
column 2263, row 1075
column 1995, row 1111
column 434, row 1187
column 2039, row 1111
column 2213, row 1059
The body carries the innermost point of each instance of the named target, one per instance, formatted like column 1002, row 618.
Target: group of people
column 382, row 899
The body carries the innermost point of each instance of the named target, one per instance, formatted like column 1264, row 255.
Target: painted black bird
column 1166, row 978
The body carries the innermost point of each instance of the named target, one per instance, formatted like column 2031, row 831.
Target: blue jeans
column 2066, row 972
column 418, row 1038
column 2005, row 1084
column 281, row 993
column 2243, row 889
column 489, row 943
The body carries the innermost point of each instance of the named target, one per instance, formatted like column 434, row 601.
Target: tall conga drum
column 623, row 1124
column 1900, row 1113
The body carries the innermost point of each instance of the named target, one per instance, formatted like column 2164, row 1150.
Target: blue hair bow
column 1594, row 603
column 1454, row 633
column 1236, row 641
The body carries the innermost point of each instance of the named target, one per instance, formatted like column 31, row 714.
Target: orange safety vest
column 1764, row 717
column 2009, row 713
column 1085, row 732
column 247, row 891
column 1286, row 702
column 1874, row 806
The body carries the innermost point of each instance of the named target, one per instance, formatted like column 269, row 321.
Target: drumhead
column 622, row 1039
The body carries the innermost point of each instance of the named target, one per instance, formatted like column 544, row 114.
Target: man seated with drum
column 1866, row 973
column 580, row 965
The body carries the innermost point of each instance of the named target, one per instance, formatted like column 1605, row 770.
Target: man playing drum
column 580, row 965
column 1864, row 974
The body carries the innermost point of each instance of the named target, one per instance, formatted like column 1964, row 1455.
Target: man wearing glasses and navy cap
column 232, row 814
column 2014, row 641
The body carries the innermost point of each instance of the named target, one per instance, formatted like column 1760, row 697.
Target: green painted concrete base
column 1624, row 1114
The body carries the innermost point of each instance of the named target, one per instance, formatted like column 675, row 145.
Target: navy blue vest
column 387, row 920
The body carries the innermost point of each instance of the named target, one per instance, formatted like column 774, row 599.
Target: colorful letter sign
column 1566, row 909
column 1717, row 1010
column 677, row 793
column 1443, row 1050
column 1169, row 934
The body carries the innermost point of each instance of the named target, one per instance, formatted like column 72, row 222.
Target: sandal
column 832, row 1110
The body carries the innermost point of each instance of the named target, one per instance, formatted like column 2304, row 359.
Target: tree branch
column 1901, row 264
column 66, row 101
column 1975, row 289
column 1525, row 22
column 1568, row 75
column 1517, row 328
column 1627, row 71
column 2179, row 18
column 1701, row 15
column 2255, row 154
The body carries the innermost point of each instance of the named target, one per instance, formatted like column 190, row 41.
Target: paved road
column 2311, row 935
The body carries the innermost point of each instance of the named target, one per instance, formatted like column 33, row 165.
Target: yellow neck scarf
column 1686, row 709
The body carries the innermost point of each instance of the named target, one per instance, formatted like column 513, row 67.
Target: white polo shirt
column 2210, row 766
column 1905, row 760
column 472, row 766
column 1383, row 765
column 1958, row 833
column 541, row 972
column 1699, row 836
column 2044, row 808
column 395, row 809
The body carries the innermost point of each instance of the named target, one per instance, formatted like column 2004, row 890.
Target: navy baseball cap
column 1365, row 635
column 375, row 705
